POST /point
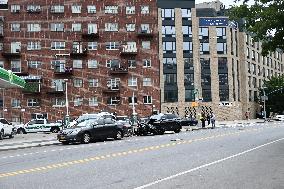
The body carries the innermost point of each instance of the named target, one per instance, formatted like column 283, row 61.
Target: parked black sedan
column 88, row 130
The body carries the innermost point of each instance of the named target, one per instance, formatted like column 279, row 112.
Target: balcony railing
column 56, row 90
column 145, row 33
column 81, row 52
column 31, row 88
column 63, row 71
column 128, row 50
column 90, row 35
column 9, row 54
column 119, row 70
column 22, row 72
column 38, row 10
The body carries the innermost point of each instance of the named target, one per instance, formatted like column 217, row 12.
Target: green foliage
column 265, row 19
column 274, row 89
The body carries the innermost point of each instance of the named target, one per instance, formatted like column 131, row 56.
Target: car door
column 99, row 130
column 110, row 127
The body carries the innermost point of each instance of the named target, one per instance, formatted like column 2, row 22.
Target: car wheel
column 21, row 131
column 86, row 138
column 177, row 130
column 1, row 135
column 65, row 143
column 11, row 136
column 118, row 136
column 54, row 130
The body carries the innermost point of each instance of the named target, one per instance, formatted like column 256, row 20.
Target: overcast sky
column 227, row 3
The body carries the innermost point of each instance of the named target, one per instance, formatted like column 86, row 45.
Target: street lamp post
column 67, row 103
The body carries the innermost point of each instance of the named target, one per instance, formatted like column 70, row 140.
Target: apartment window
column 189, row 95
column 206, row 94
column 15, row 8
column 78, row 82
column 130, row 27
column 253, row 55
column 188, row 79
column 203, row 32
column 253, row 69
column 224, row 95
column 188, row 63
column 222, row 63
column 221, row 32
column 76, row 27
column 15, row 27
column 187, row 31
column 33, row 45
column 170, row 95
column 91, row 9
column 92, row 28
column 168, row 31
column 111, row 26
column 146, row 44
column 145, row 28
column 111, row 9
column 15, row 103
column 1, row 64
column 77, row 63
column 248, row 55
column 130, row 9
column 76, row 9
column 93, row 82
column 92, row 64
column 187, row 47
column 147, row 81
column 78, row 101
column 58, row 84
column 33, row 8
column 186, row 14
column 170, row 63
column 57, row 27
column 205, row 63
column 92, row 45
column 131, row 63
column 57, row 8
column 113, row 100
column 168, row 14
column 1, row 46
column 112, row 63
column 147, row 99
column 57, row 45
column 254, row 82
column 223, row 79
column 112, row 45
column 145, row 9
column 170, row 79
column 33, row 102
column 222, row 48
column 131, row 99
column 34, row 64
column 93, row 101
column 33, row 27
column 16, row 66
column 204, row 48
column 169, row 47
column 146, row 63
column 205, row 79
column 58, row 102
column 132, row 82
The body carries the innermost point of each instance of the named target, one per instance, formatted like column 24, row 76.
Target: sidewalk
column 21, row 141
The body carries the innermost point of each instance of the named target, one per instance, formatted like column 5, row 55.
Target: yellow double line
column 112, row 155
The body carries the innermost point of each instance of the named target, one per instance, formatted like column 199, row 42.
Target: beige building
column 209, row 65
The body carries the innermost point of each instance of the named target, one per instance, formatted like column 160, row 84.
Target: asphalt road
column 241, row 157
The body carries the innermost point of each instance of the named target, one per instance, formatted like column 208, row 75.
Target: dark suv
column 158, row 124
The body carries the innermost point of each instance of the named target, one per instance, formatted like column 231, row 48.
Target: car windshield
column 85, row 123
column 86, row 117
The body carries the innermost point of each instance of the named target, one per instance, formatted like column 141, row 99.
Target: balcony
column 128, row 49
column 14, row 54
column 56, row 91
column 112, row 89
column 147, row 33
column 90, row 35
column 22, row 72
column 119, row 70
column 31, row 88
column 37, row 10
column 78, row 52
column 63, row 70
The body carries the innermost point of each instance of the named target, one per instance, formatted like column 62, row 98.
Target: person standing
column 213, row 119
column 202, row 119
column 208, row 118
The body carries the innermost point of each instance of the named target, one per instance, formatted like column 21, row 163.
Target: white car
column 279, row 117
column 6, row 129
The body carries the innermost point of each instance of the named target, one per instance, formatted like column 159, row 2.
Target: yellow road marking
column 81, row 161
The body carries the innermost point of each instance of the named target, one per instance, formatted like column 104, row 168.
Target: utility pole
column 67, row 103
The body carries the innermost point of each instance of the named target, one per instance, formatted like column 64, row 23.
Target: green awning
column 10, row 80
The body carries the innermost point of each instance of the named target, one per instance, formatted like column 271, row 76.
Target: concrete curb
column 28, row 145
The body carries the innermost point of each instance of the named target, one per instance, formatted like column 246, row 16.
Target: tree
column 265, row 19
column 274, row 89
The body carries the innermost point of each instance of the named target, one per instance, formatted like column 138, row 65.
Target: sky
column 227, row 3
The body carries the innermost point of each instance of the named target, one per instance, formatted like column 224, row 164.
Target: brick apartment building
column 104, row 51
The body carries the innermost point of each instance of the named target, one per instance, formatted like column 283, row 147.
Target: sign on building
column 213, row 21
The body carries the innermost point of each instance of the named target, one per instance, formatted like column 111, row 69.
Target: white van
column 279, row 117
